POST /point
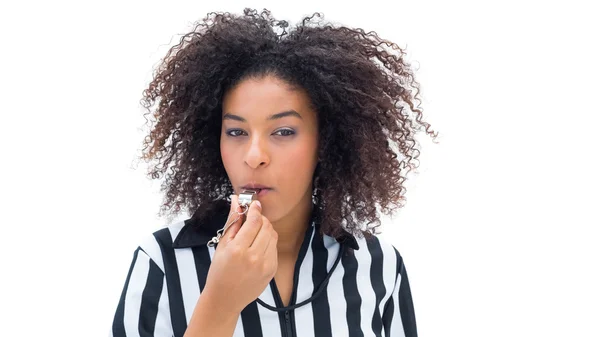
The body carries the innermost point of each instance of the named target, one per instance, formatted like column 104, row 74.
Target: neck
column 292, row 228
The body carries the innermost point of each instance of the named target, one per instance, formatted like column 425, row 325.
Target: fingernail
column 258, row 204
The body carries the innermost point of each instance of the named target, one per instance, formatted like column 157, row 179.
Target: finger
column 250, row 228
column 263, row 237
column 233, row 229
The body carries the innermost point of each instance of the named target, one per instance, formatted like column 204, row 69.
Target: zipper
column 288, row 324
column 287, row 320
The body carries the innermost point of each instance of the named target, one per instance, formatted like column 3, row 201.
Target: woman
column 320, row 123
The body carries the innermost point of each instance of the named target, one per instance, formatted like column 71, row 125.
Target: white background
column 500, row 232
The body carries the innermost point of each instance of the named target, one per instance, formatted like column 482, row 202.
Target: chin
column 270, row 212
column 274, row 209
column 278, row 208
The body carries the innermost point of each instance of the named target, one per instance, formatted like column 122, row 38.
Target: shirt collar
column 198, row 232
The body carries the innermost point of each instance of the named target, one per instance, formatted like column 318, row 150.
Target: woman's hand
column 245, row 260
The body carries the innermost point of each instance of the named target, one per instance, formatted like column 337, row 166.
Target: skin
column 245, row 261
column 280, row 153
column 256, row 147
column 269, row 136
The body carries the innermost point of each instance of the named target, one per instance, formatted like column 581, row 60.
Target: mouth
column 260, row 190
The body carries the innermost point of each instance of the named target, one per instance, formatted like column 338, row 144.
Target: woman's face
column 269, row 141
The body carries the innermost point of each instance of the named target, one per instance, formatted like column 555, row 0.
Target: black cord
column 322, row 287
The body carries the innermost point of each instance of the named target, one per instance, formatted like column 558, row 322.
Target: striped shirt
column 342, row 287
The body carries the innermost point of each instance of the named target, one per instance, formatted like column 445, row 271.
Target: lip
column 253, row 186
column 262, row 192
column 259, row 188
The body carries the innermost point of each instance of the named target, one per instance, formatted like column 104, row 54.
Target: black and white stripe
column 368, row 293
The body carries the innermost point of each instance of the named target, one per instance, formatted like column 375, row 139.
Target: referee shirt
column 342, row 287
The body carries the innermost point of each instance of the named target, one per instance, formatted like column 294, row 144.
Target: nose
column 257, row 154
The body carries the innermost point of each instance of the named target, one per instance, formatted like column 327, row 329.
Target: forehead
column 266, row 95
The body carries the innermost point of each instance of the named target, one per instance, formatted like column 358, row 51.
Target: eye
column 234, row 132
column 285, row 132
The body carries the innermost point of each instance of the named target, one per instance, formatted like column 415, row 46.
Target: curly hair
column 362, row 89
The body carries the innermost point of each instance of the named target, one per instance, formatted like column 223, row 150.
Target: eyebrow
column 288, row 113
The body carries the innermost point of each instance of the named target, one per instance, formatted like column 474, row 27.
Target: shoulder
column 380, row 250
column 159, row 242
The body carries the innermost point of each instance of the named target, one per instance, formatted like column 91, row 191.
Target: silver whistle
column 246, row 197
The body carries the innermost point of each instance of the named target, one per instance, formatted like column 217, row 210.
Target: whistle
column 246, row 197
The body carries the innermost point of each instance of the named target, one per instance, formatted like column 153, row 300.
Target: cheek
column 300, row 162
column 227, row 156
